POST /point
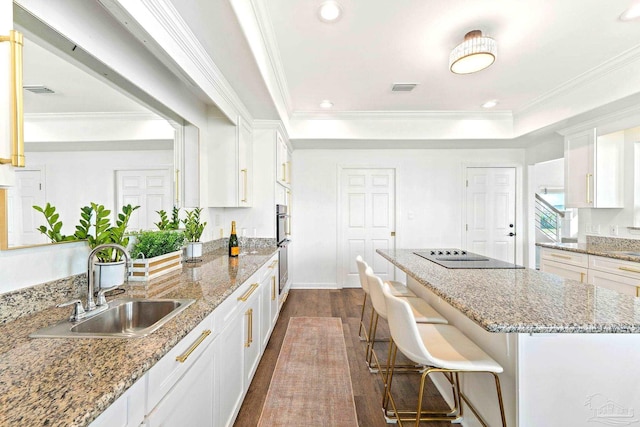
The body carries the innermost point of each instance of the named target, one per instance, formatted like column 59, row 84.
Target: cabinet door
column 269, row 306
column 564, row 270
column 127, row 411
column 283, row 164
column 245, row 164
column 252, row 337
column 190, row 401
column 622, row 284
column 579, row 161
column 229, row 371
column 275, row 297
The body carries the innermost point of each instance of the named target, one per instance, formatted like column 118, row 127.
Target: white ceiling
column 542, row 44
column 557, row 60
column 76, row 91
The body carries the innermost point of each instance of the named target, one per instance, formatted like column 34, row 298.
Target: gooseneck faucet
column 92, row 308
column 91, row 305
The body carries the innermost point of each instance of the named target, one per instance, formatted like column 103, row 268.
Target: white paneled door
column 491, row 212
column 366, row 221
column 148, row 188
column 23, row 220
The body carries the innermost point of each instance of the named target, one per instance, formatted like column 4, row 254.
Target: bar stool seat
column 441, row 348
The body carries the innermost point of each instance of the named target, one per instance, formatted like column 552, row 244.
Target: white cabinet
column 269, row 309
column 594, row 173
column 128, row 410
column 252, row 341
column 283, row 161
column 190, row 401
column 619, row 275
column 570, row 265
column 230, row 163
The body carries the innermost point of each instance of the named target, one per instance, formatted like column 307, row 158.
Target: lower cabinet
column 202, row 381
column 190, row 401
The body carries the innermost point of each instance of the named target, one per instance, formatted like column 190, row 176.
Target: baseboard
column 315, row 286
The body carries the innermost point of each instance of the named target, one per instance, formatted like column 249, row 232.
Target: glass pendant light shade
column 475, row 53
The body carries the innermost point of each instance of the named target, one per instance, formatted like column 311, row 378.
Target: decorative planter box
column 147, row 269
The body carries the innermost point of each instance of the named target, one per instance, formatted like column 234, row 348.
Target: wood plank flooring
column 367, row 387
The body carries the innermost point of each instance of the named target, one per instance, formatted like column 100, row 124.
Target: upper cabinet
column 283, row 162
column 230, row 163
column 594, row 170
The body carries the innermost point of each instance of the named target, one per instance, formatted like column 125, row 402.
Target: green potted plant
column 193, row 229
column 54, row 225
column 155, row 253
column 95, row 227
column 168, row 224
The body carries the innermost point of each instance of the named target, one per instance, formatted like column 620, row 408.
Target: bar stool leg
column 498, row 389
column 373, row 328
column 365, row 338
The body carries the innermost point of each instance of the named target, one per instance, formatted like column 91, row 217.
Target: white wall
column 429, row 187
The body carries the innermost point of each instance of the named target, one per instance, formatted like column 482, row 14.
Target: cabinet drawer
column 623, row 284
column 233, row 304
column 164, row 374
column 616, row 266
column 565, row 257
column 127, row 411
column 567, row 271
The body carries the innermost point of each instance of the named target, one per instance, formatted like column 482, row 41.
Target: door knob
column 510, row 225
column 511, row 234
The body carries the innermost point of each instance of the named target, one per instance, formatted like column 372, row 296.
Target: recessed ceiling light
column 329, row 11
column 631, row 14
column 326, row 104
column 490, row 104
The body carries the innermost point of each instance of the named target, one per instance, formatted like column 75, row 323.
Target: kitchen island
column 570, row 351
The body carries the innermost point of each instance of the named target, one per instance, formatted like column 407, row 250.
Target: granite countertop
column 54, row 381
column 610, row 249
column 523, row 300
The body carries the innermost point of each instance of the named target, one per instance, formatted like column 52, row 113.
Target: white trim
column 620, row 61
column 137, row 116
column 403, row 115
column 315, row 286
column 630, row 115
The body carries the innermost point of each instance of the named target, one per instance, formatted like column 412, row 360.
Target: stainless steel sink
column 125, row 318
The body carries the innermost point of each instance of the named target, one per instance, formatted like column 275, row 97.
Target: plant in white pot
column 193, row 229
column 95, row 226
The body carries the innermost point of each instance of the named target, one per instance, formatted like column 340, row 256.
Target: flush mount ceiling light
column 326, row 104
column 329, row 11
column 475, row 53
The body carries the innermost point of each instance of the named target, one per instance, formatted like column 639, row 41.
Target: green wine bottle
column 234, row 249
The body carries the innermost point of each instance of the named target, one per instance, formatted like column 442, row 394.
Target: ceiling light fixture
column 631, row 14
column 326, row 104
column 475, row 53
column 329, row 11
column 490, row 104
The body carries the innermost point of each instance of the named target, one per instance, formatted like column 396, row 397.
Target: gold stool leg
column 498, row 389
column 365, row 338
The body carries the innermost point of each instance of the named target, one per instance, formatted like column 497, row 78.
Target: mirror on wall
column 86, row 141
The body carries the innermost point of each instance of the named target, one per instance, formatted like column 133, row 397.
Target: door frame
column 521, row 232
column 339, row 233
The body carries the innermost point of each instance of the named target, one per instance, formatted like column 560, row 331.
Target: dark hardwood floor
column 367, row 387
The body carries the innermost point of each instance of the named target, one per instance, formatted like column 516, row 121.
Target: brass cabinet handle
column 561, row 256
column 183, row 357
column 589, row 188
column 273, row 288
column 581, row 277
column 632, row 270
column 247, row 294
column 284, row 172
column 288, row 174
column 249, row 314
column 273, row 264
column 638, row 291
column 246, row 178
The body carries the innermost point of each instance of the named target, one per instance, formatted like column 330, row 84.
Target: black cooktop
column 458, row 258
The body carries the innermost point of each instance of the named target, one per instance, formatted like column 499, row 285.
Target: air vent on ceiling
column 403, row 87
column 40, row 89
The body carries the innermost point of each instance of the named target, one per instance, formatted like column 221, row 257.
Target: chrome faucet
column 101, row 300
column 92, row 308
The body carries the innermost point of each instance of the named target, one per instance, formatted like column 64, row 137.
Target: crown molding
column 158, row 20
column 610, row 122
column 620, row 61
column 128, row 116
column 270, row 43
column 271, row 125
column 403, row 115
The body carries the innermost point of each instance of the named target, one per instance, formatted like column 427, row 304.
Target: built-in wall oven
column 283, row 242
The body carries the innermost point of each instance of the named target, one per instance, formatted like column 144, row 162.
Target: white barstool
column 442, row 348
column 397, row 289
column 422, row 312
